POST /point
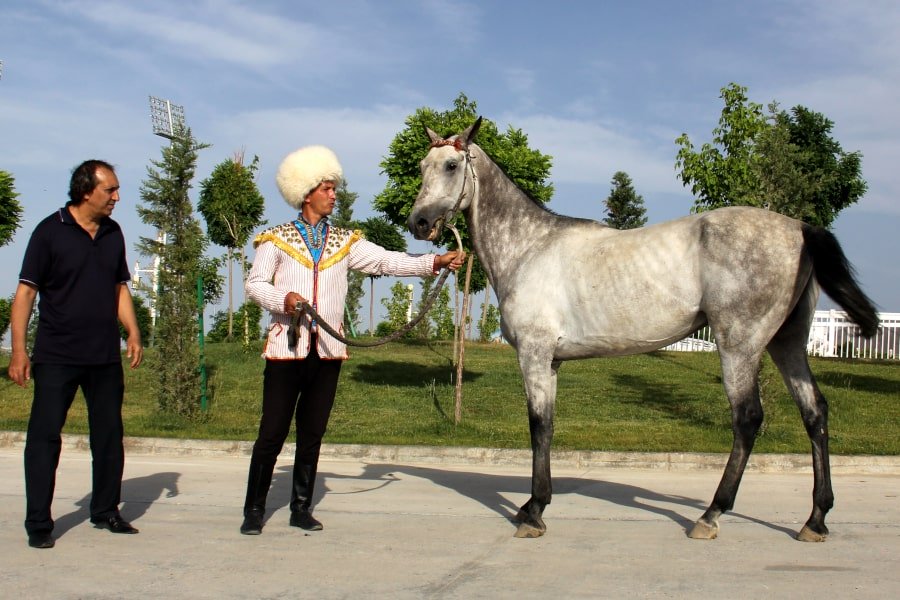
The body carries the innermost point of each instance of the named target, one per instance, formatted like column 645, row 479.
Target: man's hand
column 453, row 260
column 134, row 350
column 290, row 302
column 20, row 368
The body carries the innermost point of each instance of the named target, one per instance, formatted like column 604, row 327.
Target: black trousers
column 103, row 387
column 302, row 389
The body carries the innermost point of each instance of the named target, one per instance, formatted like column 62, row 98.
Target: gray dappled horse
column 573, row 288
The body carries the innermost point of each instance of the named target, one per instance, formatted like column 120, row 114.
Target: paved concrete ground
column 439, row 527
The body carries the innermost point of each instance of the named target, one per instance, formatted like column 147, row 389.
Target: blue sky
column 601, row 86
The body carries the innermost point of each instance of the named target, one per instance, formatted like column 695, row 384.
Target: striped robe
column 284, row 264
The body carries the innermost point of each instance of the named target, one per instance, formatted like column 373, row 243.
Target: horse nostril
column 422, row 225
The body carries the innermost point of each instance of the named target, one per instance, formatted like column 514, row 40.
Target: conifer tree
column 168, row 208
column 624, row 207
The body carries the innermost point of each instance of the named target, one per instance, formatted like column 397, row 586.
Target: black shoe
column 41, row 539
column 115, row 523
column 304, row 520
column 253, row 523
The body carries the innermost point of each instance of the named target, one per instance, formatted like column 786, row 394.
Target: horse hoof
column 528, row 531
column 808, row 535
column 703, row 531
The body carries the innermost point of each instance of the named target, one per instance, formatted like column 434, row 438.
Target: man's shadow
column 489, row 489
column 138, row 494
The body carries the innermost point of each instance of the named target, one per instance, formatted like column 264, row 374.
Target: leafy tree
column 490, row 324
column 528, row 168
column 213, row 282
column 783, row 161
column 5, row 314
column 624, row 207
column 167, row 207
column 424, row 330
column 722, row 173
column 397, row 306
column 831, row 178
column 232, row 206
column 219, row 330
column 343, row 217
column 144, row 320
column 379, row 230
column 441, row 315
column 10, row 209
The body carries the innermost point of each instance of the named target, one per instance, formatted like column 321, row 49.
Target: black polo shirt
column 76, row 277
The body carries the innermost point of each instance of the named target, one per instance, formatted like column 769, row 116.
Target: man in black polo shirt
column 75, row 261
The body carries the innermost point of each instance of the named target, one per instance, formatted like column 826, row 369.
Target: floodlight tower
column 166, row 119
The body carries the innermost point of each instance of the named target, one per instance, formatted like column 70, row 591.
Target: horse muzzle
column 424, row 229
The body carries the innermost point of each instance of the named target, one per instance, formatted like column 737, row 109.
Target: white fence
column 832, row 334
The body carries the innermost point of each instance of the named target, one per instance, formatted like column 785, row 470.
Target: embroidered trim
column 342, row 252
column 289, row 249
column 302, row 256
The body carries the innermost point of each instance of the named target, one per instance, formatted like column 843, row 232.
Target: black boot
column 258, row 482
column 301, row 498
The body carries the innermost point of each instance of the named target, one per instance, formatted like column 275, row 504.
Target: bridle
column 450, row 215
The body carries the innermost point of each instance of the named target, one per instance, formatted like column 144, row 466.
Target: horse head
column 448, row 183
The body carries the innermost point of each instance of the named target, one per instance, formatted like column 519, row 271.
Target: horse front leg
column 540, row 386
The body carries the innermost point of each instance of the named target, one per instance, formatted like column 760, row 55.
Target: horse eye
column 451, row 165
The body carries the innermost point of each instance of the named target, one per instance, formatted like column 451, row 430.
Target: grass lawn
column 403, row 393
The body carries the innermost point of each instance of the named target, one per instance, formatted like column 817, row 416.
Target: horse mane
column 455, row 142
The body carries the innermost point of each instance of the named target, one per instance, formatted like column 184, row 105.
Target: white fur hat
column 303, row 170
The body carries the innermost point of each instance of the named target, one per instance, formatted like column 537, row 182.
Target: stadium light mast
column 166, row 119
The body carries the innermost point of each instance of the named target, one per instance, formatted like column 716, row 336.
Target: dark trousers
column 302, row 389
column 103, row 387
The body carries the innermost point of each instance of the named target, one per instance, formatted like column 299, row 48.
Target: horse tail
column 836, row 277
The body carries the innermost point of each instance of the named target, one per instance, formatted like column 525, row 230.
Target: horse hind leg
column 740, row 375
column 788, row 351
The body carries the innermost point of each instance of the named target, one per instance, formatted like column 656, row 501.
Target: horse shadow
column 139, row 494
column 489, row 489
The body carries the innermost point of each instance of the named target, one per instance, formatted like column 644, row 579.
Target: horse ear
column 468, row 136
column 432, row 135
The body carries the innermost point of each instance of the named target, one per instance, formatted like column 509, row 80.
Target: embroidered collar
column 313, row 235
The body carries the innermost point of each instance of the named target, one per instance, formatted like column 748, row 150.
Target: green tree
column 10, row 209
column 441, row 316
column 424, row 330
column 624, row 207
column 218, row 332
column 232, row 207
column 168, row 208
column 490, row 324
column 380, row 231
column 827, row 179
column 144, row 320
column 343, row 217
column 5, row 314
column 528, row 168
column 783, row 161
column 722, row 173
column 398, row 306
